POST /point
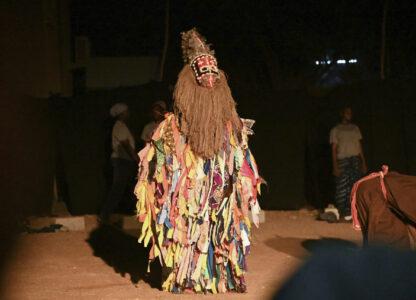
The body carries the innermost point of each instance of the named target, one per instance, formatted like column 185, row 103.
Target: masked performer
column 197, row 182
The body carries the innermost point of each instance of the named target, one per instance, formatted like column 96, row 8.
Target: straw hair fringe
column 194, row 44
column 204, row 112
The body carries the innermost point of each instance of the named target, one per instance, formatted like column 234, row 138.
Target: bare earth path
column 106, row 263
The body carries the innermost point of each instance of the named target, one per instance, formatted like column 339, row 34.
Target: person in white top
column 158, row 112
column 348, row 160
column 123, row 159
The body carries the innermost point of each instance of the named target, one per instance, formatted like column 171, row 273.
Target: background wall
column 35, row 47
column 113, row 72
column 30, row 70
column 291, row 141
column 386, row 115
column 84, row 140
column 293, row 120
column 27, row 151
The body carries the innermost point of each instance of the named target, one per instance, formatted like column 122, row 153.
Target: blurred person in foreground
column 344, row 273
column 123, row 159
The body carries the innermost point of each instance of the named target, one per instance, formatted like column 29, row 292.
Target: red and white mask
column 206, row 70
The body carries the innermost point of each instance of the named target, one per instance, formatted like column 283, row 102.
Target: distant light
column 339, row 61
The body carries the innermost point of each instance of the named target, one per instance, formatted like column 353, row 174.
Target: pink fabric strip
column 178, row 185
column 355, row 222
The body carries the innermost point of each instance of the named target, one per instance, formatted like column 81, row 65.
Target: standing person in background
column 158, row 115
column 348, row 161
column 123, row 159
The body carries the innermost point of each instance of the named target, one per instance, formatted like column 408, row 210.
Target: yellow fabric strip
column 147, row 238
column 169, row 235
column 214, row 281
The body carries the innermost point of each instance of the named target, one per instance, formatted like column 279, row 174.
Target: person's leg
column 121, row 178
column 133, row 169
column 354, row 174
column 341, row 189
column 129, row 200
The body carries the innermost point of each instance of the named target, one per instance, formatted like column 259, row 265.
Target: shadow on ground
column 300, row 248
column 315, row 244
column 288, row 245
column 122, row 252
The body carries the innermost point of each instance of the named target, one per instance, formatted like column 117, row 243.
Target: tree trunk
column 383, row 41
column 165, row 46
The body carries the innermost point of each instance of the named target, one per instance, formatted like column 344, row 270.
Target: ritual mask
column 206, row 70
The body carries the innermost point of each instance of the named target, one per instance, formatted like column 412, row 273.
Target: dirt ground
column 106, row 263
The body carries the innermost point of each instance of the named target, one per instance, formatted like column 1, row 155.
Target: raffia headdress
column 203, row 107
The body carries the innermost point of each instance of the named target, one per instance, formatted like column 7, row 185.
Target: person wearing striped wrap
column 347, row 159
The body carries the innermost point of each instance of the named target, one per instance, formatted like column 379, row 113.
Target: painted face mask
column 205, row 70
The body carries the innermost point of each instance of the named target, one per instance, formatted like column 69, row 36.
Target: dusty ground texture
column 106, row 263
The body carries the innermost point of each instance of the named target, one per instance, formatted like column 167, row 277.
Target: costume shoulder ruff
column 195, row 211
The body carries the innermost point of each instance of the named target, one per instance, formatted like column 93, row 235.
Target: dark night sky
column 297, row 32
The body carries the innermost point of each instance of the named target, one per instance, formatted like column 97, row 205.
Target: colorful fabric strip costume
column 197, row 182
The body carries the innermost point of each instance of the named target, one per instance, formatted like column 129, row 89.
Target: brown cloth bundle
column 390, row 221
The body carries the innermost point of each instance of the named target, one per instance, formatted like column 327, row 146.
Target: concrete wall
column 28, row 140
column 290, row 143
column 35, row 50
column 113, row 72
column 29, row 70
column 27, row 164
column 279, row 147
column 28, row 154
